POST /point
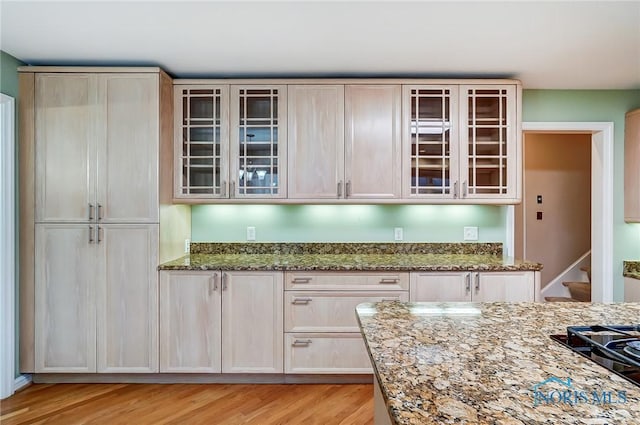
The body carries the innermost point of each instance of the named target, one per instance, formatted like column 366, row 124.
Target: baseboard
column 21, row 382
column 199, row 378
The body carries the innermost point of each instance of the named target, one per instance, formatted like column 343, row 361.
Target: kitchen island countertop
column 481, row 363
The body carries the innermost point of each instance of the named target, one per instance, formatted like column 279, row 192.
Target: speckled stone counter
column 345, row 257
column 631, row 269
column 467, row 363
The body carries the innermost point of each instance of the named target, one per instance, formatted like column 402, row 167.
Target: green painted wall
column 594, row 106
column 344, row 223
column 9, row 86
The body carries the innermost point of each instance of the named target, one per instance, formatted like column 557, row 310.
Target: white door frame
column 7, row 246
column 602, row 143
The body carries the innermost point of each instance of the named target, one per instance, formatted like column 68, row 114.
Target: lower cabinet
column 518, row 286
column 321, row 328
column 96, row 304
column 214, row 321
column 631, row 290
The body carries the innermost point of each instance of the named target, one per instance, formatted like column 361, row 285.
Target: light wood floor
column 140, row 404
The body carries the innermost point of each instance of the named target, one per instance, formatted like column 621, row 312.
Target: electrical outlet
column 397, row 234
column 251, row 233
column 187, row 246
column 471, row 233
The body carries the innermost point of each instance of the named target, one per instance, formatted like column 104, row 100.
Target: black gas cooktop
column 615, row 347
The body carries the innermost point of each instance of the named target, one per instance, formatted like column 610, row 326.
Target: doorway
column 601, row 138
column 556, row 207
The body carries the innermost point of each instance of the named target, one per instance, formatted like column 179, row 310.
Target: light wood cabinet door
column 631, row 168
column 190, row 322
column 373, row 141
column 490, row 143
column 65, row 316
column 252, row 322
column 127, row 301
column 504, row 286
column 65, row 147
column 316, row 142
column 440, row 286
column 128, row 148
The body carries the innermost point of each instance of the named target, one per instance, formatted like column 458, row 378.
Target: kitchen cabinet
column 462, row 143
column 631, row 169
column 316, row 141
column 96, row 147
column 518, row 286
column 231, row 141
column 373, row 142
column 96, row 304
column 91, row 141
column 229, row 322
column 321, row 329
column 631, row 290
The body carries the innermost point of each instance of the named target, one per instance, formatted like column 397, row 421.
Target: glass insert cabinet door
column 488, row 141
column 258, row 141
column 431, row 132
column 202, row 156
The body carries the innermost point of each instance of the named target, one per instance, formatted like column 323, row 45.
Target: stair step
column 580, row 291
column 588, row 270
column 561, row 300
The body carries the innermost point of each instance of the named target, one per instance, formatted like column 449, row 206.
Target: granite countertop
column 478, row 363
column 345, row 257
column 631, row 269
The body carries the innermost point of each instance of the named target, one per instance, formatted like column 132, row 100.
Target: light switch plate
column 187, row 246
column 251, row 233
column 398, row 234
column 471, row 233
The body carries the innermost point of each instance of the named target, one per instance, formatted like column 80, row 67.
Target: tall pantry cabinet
column 93, row 137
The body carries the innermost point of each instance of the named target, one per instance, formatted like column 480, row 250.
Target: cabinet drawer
column 307, row 311
column 354, row 281
column 326, row 353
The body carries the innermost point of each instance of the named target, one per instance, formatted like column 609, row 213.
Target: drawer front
column 311, row 311
column 352, row 281
column 326, row 353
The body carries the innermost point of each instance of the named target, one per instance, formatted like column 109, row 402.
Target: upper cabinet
column 230, row 141
column 631, row 169
column 349, row 141
column 316, row 141
column 96, row 147
column 461, row 143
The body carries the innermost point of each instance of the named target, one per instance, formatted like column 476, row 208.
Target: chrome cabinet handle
column 99, row 212
column 301, row 301
column 477, row 282
column 301, row 279
column 98, row 240
column 340, row 189
column 225, row 277
column 455, row 190
column 223, row 189
column 465, row 189
column 348, row 189
column 387, row 280
column 213, row 283
column 232, row 189
column 90, row 212
column 90, row 234
column 301, row 343
column 468, row 285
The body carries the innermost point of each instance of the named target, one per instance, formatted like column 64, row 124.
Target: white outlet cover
column 398, row 234
column 471, row 233
column 251, row 233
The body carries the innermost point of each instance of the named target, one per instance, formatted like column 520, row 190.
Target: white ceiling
column 569, row 44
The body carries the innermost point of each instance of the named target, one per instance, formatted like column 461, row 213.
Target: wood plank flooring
column 219, row 404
